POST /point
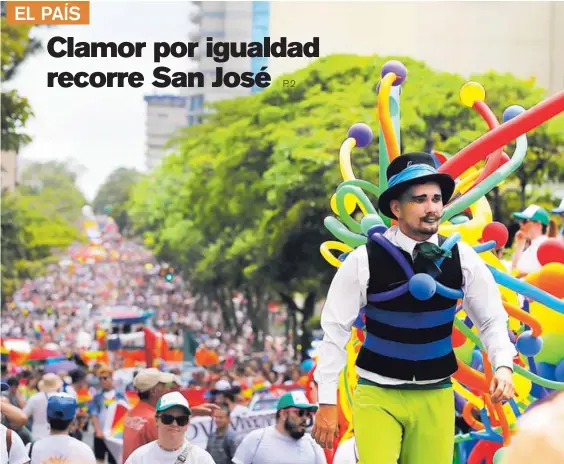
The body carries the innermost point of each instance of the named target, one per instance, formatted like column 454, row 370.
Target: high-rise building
column 224, row 22
column 166, row 114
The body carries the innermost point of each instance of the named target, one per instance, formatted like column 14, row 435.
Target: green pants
column 405, row 426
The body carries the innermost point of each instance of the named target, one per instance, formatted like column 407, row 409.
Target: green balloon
column 369, row 221
column 498, row 456
column 552, row 351
column 343, row 234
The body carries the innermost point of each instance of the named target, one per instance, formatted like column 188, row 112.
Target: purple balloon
column 389, row 295
column 396, row 254
column 361, row 133
column 398, row 68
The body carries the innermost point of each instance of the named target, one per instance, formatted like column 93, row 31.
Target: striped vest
column 409, row 339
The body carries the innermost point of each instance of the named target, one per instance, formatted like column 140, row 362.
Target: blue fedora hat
column 412, row 169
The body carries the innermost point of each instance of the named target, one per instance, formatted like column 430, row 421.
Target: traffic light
column 169, row 274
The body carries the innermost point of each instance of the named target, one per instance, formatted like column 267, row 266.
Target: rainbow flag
column 118, row 421
column 132, row 398
column 83, row 397
column 5, row 354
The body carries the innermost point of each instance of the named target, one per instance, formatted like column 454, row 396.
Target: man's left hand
column 205, row 409
column 502, row 388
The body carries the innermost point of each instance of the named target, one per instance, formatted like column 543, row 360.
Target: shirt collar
column 408, row 244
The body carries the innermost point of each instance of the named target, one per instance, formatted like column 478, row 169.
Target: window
column 190, row 121
column 162, row 116
column 214, row 14
column 196, row 102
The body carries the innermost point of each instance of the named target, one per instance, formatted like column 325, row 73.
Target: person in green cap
column 286, row 442
column 534, row 222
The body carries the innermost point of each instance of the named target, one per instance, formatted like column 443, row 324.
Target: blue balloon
column 512, row 112
column 559, row 371
column 546, row 370
column 361, row 133
column 528, row 344
column 422, row 286
column 307, row 365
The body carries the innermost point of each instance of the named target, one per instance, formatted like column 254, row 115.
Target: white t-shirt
column 152, row 453
column 528, row 261
column 18, row 455
column 346, row 453
column 61, row 449
column 269, row 446
column 239, row 410
column 36, row 408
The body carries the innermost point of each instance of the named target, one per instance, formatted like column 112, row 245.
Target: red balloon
column 503, row 134
column 551, row 251
column 458, row 339
column 495, row 231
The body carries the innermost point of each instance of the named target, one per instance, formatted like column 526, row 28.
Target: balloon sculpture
column 537, row 325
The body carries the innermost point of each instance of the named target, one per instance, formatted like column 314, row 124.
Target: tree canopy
column 241, row 204
column 17, row 46
column 113, row 195
column 38, row 219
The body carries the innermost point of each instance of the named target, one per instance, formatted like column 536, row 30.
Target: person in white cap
column 560, row 211
column 171, row 447
column 36, row 407
column 286, row 442
column 534, row 222
column 224, row 393
column 139, row 425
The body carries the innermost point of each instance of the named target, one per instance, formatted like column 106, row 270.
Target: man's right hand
column 325, row 428
column 99, row 434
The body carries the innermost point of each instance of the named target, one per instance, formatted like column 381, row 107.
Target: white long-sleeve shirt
column 348, row 294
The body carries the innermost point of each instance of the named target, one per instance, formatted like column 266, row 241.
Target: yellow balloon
column 522, row 385
column 350, row 203
column 472, row 92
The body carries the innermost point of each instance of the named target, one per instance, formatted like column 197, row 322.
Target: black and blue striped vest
column 409, row 339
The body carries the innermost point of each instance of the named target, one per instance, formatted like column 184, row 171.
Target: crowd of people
column 45, row 413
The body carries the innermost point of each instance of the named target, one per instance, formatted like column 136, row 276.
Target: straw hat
column 50, row 383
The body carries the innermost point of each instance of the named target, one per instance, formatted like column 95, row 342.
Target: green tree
column 241, row 204
column 113, row 195
column 51, row 187
column 31, row 236
column 17, row 46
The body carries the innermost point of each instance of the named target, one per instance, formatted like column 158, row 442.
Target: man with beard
column 403, row 405
column 287, row 441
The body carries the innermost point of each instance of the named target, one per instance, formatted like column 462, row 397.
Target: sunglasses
column 168, row 419
column 301, row 412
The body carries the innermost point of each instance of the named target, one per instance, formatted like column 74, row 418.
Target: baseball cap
column 295, row 399
column 61, row 406
column 560, row 209
column 170, row 400
column 5, row 386
column 148, row 378
column 534, row 213
column 221, row 386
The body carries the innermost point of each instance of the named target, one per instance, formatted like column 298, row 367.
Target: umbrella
column 60, row 366
column 42, row 354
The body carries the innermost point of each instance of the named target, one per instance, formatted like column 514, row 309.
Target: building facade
column 166, row 114
column 522, row 38
column 225, row 22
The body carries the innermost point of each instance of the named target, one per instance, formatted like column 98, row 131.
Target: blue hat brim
column 446, row 183
column 4, row 386
column 558, row 211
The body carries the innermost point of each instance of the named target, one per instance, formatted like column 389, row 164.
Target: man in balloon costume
column 403, row 404
column 391, row 359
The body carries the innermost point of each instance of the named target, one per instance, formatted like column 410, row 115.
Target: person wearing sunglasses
column 98, row 410
column 534, row 222
column 286, row 442
column 171, row 447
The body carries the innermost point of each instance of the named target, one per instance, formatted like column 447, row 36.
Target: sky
column 101, row 129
